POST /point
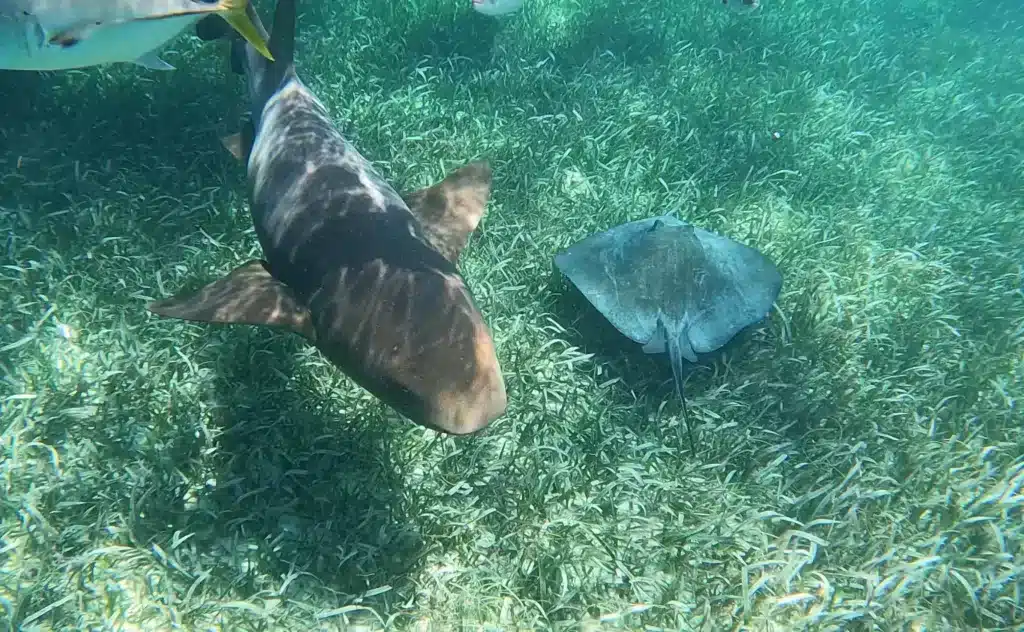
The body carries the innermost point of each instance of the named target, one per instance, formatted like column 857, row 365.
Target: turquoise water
column 859, row 453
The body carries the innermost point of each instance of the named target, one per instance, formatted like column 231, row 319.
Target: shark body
column 365, row 274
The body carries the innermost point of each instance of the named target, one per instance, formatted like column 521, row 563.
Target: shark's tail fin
column 282, row 37
column 265, row 76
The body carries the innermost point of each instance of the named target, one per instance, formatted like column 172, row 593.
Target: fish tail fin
column 675, row 356
column 239, row 14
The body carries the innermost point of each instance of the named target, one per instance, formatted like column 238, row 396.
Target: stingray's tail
column 675, row 355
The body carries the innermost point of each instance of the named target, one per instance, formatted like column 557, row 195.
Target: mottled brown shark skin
column 364, row 274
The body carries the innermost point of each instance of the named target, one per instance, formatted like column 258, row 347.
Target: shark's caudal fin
column 212, row 27
column 282, row 36
column 265, row 76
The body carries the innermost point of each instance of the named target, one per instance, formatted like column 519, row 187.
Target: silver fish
column 62, row 34
column 497, row 7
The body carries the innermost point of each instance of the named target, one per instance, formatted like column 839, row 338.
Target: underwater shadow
column 289, row 485
column 262, row 479
column 466, row 40
column 615, row 29
column 647, row 376
column 296, row 487
column 468, row 36
column 89, row 138
column 28, row 86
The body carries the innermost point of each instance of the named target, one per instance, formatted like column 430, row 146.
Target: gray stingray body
column 671, row 286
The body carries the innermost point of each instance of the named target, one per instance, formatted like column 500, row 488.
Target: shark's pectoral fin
column 451, row 209
column 249, row 294
column 152, row 61
column 233, row 143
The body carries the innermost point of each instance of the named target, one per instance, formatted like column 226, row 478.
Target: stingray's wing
column 605, row 269
column 733, row 288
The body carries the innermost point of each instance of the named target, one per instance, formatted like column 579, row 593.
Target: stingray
column 673, row 287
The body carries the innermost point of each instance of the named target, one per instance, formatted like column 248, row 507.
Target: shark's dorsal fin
column 451, row 209
column 249, row 294
column 448, row 211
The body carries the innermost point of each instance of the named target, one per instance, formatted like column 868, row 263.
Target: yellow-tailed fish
column 62, row 34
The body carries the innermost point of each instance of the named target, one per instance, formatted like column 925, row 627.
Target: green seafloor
column 859, row 462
